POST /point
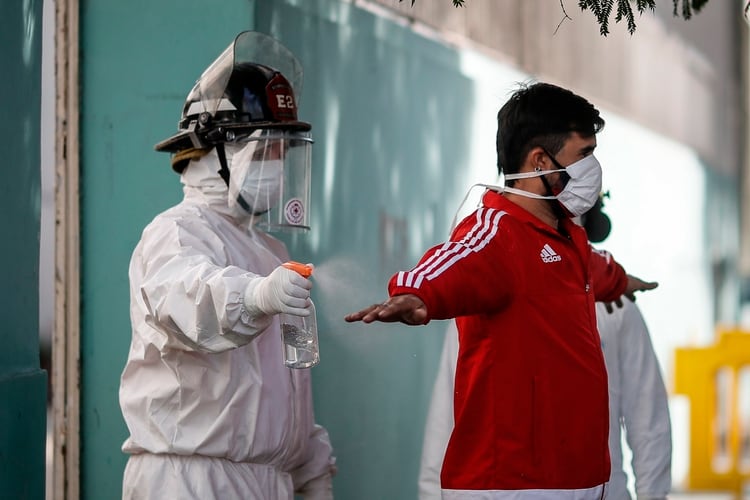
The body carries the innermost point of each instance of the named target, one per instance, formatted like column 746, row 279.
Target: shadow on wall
column 391, row 115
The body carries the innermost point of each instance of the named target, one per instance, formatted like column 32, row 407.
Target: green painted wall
column 384, row 103
column 23, row 386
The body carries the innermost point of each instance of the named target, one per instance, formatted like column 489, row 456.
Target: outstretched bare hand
column 407, row 309
column 634, row 285
column 638, row 285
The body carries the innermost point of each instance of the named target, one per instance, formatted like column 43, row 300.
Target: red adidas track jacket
column 530, row 402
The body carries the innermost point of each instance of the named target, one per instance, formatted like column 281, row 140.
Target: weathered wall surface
column 678, row 78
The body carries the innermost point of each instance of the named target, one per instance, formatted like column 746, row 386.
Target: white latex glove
column 282, row 291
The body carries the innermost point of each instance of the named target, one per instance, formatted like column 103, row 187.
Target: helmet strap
column 224, row 170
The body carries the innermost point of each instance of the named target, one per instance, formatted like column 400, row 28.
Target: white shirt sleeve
column 439, row 424
column 645, row 410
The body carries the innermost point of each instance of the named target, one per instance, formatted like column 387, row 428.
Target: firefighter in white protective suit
column 637, row 398
column 212, row 411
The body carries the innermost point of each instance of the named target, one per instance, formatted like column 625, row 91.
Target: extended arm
column 451, row 278
column 611, row 282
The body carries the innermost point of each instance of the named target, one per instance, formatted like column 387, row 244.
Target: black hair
column 541, row 114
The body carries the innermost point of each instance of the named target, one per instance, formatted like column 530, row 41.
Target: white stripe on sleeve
column 476, row 239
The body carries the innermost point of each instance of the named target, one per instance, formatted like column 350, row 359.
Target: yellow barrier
column 716, row 379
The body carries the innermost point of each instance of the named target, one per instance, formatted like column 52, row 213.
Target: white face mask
column 581, row 191
column 254, row 185
column 260, row 190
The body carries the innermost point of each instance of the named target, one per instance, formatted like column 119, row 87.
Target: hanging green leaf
column 625, row 10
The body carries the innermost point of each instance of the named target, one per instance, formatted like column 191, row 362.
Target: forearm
column 200, row 307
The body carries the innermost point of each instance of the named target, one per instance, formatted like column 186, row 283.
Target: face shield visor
column 269, row 178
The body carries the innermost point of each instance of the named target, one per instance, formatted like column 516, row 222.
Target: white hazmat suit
column 211, row 409
column 637, row 400
column 637, row 403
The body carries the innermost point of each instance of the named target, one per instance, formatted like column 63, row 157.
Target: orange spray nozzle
column 302, row 269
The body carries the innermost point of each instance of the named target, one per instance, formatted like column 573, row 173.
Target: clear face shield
column 270, row 174
column 248, row 47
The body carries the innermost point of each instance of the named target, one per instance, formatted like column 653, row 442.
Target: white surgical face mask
column 260, row 190
column 255, row 185
column 581, row 191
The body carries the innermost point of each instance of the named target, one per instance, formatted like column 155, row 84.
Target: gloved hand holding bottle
column 282, row 291
column 286, row 291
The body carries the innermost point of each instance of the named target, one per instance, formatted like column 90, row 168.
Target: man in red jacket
column 530, row 402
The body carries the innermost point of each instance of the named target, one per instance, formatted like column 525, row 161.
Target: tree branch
column 565, row 16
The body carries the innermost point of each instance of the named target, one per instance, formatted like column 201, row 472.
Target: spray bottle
column 299, row 335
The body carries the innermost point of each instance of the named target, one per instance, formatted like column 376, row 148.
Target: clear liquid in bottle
column 299, row 336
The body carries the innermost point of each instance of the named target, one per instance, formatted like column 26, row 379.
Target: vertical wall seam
column 66, row 329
